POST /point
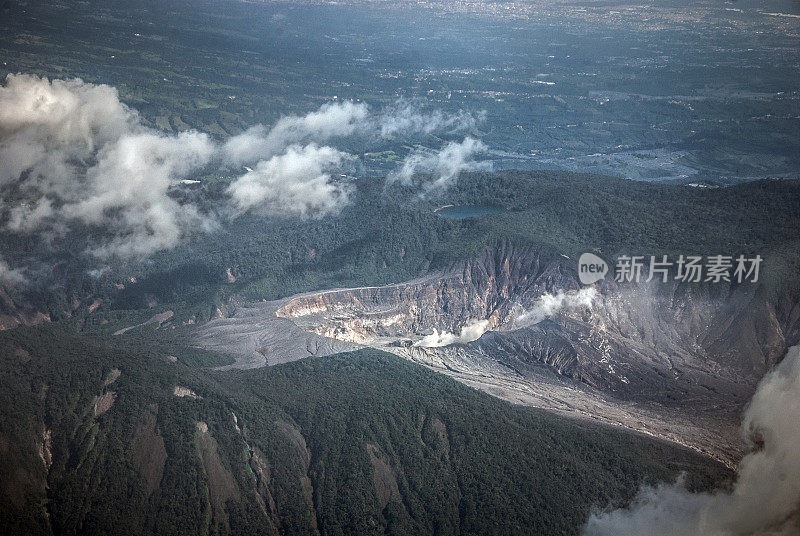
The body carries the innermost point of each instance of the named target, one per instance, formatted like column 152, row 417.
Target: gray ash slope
column 676, row 361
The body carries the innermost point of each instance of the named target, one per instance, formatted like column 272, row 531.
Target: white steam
column 472, row 331
column 549, row 305
column 765, row 498
column 445, row 164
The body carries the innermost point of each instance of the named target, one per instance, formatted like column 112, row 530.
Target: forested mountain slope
column 256, row 257
column 99, row 439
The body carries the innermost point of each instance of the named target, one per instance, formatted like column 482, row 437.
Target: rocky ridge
column 672, row 360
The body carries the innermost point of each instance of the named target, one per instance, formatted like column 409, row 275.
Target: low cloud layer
column 46, row 128
column 444, row 165
column 765, row 499
column 405, row 118
column 472, row 331
column 75, row 153
column 11, row 276
column 331, row 120
column 549, row 305
column 295, row 182
column 72, row 153
column 344, row 120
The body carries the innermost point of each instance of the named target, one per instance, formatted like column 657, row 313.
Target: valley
column 677, row 362
column 362, row 440
column 318, row 268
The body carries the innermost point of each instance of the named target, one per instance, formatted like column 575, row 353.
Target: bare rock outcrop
column 678, row 361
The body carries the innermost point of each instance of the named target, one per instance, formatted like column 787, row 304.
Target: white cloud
column 549, row 305
column 138, row 207
column 331, row 120
column 295, row 182
column 47, row 127
column 80, row 155
column 445, row 165
column 10, row 275
column 472, row 331
column 344, row 119
column 404, row 118
column 29, row 216
column 73, row 153
column 292, row 178
column 765, row 498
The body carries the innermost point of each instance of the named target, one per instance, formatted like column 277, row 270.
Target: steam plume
column 766, row 495
column 472, row 331
column 549, row 305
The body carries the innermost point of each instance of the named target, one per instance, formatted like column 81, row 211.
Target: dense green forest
column 95, row 440
column 114, row 423
column 271, row 257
